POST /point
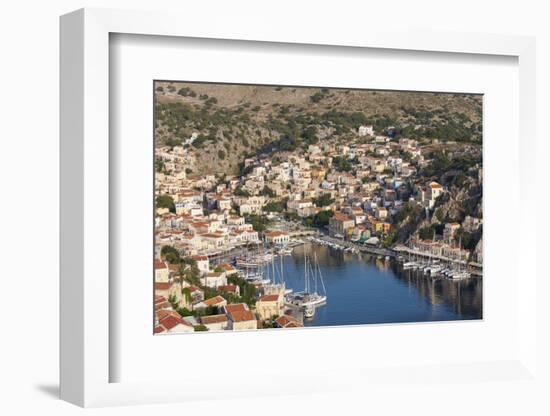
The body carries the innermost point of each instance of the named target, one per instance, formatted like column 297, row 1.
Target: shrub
column 166, row 201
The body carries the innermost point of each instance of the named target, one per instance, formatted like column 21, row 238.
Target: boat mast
column 282, row 277
column 314, row 273
column 305, row 271
column 321, row 278
column 273, row 266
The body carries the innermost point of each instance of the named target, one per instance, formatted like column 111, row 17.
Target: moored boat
column 312, row 294
column 309, row 311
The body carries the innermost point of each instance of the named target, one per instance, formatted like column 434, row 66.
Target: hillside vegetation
column 233, row 121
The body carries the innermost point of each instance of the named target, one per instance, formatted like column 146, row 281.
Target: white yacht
column 313, row 294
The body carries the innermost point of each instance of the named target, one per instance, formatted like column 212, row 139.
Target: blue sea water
column 364, row 290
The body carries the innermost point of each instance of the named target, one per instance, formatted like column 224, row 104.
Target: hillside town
column 364, row 193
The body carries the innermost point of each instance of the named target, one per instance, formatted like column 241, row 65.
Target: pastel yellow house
column 162, row 272
column 240, row 317
column 269, row 306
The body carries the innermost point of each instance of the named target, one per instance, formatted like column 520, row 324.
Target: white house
column 214, row 279
column 203, row 264
column 365, row 130
column 276, row 237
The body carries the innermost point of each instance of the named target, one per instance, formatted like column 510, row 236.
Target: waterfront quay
column 230, row 253
column 362, row 248
column 400, row 251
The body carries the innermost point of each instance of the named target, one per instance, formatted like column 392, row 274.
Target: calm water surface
column 363, row 290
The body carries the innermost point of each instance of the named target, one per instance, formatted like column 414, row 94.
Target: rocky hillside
column 460, row 174
column 221, row 124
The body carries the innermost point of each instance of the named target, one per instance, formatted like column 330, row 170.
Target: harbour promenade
column 316, row 236
column 362, row 248
column 474, row 268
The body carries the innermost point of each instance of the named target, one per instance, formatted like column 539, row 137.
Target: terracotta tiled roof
column 229, row 288
column 236, row 307
column 242, row 316
column 340, row 216
column 159, row 264
column 269, row 298
column 214, row 301
column 160, row 299
column 162, row 285
column 170, row 322
column 287, row 321
column 163, row 313
column 213, row 319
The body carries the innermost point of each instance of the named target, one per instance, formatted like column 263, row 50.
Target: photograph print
column 282, row 207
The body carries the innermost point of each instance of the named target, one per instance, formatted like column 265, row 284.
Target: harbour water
column 362, row 289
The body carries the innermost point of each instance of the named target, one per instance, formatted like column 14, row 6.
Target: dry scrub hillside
column 233, row 121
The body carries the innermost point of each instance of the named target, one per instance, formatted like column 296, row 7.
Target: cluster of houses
column 209, row 214
column 446, row 247
column 214, row 313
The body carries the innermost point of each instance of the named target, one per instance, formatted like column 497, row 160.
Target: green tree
column 159, row 166
column 323, row 201
column 200, row 328
column 184, row 311
column 389, row 240
column 187, row 92
column 439, row 214
column 274, row 206
column 341, row 164
column 170, row 254
column 259, row 222
column 240, row 191
column 322, row 218
column 186, row 293
column 309, row 135
column 166, row 201
column 249, row 294
column 426, row 233
column 267, row 191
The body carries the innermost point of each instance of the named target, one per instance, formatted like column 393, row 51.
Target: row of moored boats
column 436, row 268
column 335, row 246
column 261, row 269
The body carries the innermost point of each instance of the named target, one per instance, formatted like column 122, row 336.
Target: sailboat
column 460, row 274
column 258, row 259
column 275, row 277
column 433, row 267
column 251, row 268
column 311, row 295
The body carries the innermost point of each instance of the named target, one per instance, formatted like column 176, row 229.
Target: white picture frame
column 85, row 211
